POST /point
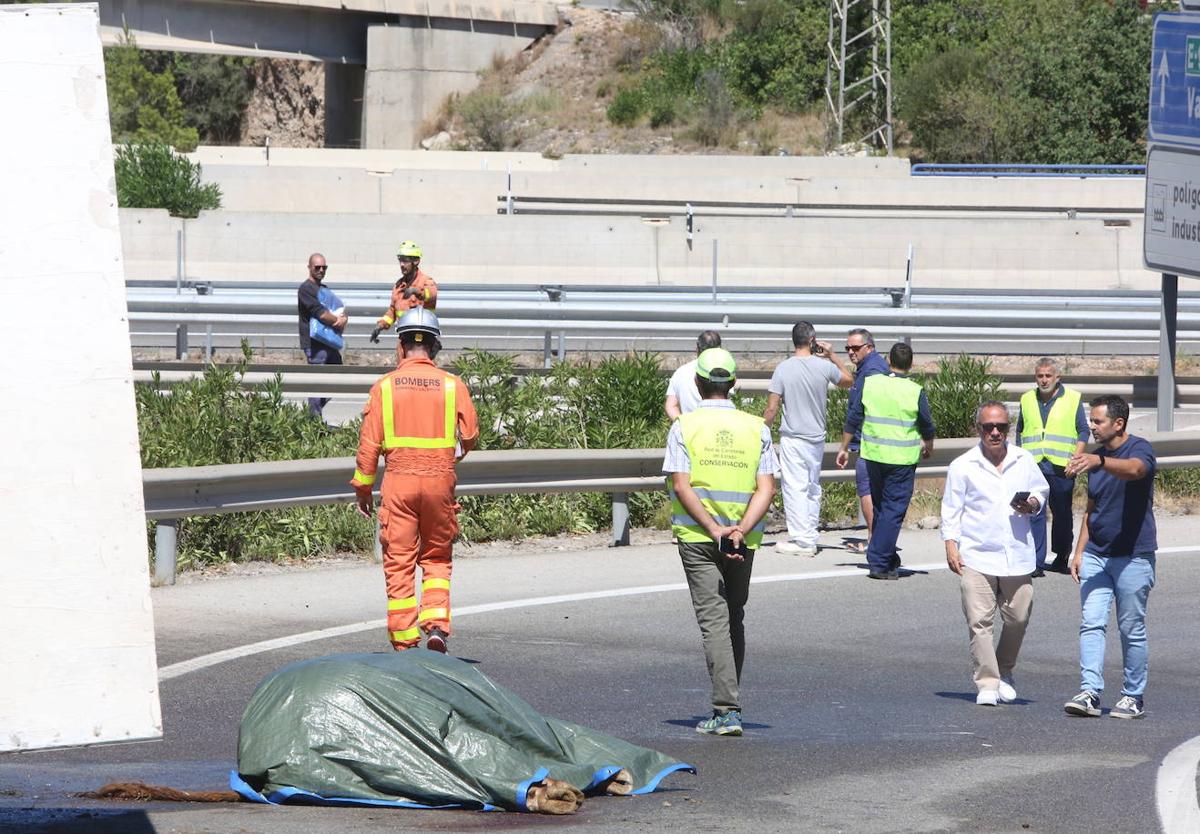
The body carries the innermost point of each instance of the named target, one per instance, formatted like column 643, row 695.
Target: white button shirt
column 992, row 537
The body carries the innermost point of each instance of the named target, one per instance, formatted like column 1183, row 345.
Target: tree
column 154, row 176
column 213, row 90
column 143, row 105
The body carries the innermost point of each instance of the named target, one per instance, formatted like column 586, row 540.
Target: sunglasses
column 854, row 348
column 988, row 428
column 404, row 259
column 318, row 268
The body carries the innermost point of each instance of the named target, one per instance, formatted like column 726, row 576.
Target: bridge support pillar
column 412, row 68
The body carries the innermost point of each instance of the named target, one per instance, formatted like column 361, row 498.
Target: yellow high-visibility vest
column 1056, row 440
column 889, row 429
column 724, row 446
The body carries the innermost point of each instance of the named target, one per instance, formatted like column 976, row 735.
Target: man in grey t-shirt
column 801, row 383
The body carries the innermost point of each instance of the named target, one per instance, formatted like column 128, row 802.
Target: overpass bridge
column 389, row 64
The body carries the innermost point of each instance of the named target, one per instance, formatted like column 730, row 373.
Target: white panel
column 77, row 661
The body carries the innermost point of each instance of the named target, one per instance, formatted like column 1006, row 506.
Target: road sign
column 1175, row 80
column 1172, row 221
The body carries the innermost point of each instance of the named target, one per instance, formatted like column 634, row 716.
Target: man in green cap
column 721, row 475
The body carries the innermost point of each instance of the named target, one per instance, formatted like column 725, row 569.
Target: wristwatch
column 1103, row 457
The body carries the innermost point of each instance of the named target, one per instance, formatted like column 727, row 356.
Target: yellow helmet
column 408, row 249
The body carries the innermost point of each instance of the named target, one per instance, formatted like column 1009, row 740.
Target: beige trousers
column 981, row 594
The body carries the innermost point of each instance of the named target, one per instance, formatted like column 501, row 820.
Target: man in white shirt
column 801, row 385
column 991, row 494
column 682, row 395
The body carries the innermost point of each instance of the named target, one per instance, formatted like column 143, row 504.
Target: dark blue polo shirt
column 1122, row 523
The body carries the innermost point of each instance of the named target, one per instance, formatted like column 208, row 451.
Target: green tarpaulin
column 417, row 729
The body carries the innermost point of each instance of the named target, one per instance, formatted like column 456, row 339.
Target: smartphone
column 726, row 545
column 1019, row 497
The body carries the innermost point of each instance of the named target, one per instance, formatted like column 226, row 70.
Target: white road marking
column 1175, row 789
column 204, row 661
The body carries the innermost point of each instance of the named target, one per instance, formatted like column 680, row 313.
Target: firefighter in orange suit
column 421, row 419
column 413, row 288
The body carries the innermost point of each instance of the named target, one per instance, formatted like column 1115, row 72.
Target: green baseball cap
column 716, row 364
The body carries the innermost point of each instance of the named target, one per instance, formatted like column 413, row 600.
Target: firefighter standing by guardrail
column 413, row 288
column 422, row 420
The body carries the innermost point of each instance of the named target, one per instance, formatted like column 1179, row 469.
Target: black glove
column 375, row 335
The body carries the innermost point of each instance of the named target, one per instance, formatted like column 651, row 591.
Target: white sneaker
column 987, row 698
column 795, row 549
column 1007, row 690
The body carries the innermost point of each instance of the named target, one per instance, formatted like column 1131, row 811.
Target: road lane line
column 195, row 664
column 1175, row 789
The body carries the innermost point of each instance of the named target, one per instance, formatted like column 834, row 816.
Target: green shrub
column 662, row 112
column 1180, row 483
column 627, row 107
column 488, row 117
column 956, row 390
column 154, row 176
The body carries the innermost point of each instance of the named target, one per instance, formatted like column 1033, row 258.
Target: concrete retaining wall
column 1020, row 253
column 473, row 189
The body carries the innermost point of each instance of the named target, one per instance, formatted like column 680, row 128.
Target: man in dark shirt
column 309, row 307
column 860, row 345
column 895, row 427
column 1114, row 556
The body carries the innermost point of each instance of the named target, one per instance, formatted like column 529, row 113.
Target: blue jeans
column 321, row 354
column 891, row 492
column 1129, row 579
column 1061, row 535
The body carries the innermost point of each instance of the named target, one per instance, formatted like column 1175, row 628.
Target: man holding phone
column 992, row 493
column 721, row 470
column 801, row 385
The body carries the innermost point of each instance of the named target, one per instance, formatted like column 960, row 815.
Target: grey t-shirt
column 803, row 383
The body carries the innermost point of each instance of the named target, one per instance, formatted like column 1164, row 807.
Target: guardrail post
column 620, row 520
column 208, row 343
column 546, row 350
column 908, row 282
column 166, row 532
column 562, row 345
column 181, row 341
column 1167, row 329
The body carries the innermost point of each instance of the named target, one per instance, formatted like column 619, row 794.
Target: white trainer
column 987, row 698
column 792, row 548
column 1007, row 690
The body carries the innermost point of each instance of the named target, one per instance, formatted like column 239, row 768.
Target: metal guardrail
column 172, row 494
column 941, row 169
column 157, row 316
column 616, row 206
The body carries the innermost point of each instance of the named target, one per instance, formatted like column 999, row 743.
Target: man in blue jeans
column 309, row 307
column 1114, row 557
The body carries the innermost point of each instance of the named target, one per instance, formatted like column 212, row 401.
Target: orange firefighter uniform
column 424, row 294
column 414, row 417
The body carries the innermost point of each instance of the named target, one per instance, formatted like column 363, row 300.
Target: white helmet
column 418, row 323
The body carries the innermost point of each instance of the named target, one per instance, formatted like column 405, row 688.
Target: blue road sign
column 1175, row 80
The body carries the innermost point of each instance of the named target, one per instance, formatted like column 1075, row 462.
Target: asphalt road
column 857, row 695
